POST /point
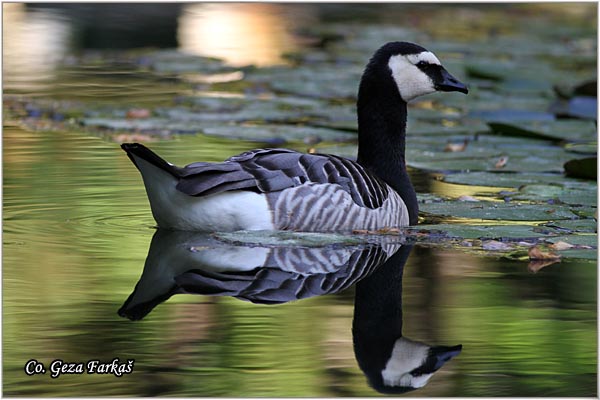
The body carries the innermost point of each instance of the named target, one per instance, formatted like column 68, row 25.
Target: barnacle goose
column 280, row 189
column 392, row 363
column 184, row 262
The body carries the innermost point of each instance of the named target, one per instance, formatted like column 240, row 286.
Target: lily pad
column 588, row 225
column 498, row 232
column 281, row 133
column 576, row 240
column 506, row 179
column 553, row 130
column 545, row 159
column 582, row 148
column 583, row 195
column 487, row 210
column 511, row 115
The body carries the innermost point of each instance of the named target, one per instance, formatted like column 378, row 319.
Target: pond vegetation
column 506, row 180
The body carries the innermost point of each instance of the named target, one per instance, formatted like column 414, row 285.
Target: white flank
column 411, row 81
column 406, row 356
column 231, row 258
column 227, row 211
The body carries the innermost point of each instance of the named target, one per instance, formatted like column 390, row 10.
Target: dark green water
column 77, row 228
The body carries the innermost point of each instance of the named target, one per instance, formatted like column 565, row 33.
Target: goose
column 280, row 189
column 185, row 262
column 392, row 363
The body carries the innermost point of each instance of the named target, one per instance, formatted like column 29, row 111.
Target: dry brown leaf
column 501, row 162
column 536, row 265
column 535, row 253
column 560, row 245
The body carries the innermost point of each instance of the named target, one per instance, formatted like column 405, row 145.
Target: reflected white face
column 406, row 356
column 411, row 80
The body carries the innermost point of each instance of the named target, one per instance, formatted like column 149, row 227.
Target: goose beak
column 442, row 354
column 448, row 83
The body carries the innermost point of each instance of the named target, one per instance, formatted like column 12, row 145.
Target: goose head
column 412, row 364
column 414, row 70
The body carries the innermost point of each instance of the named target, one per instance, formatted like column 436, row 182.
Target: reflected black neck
column 377, row 322
column 382, row 134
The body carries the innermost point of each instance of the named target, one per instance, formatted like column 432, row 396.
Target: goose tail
column 138, row 152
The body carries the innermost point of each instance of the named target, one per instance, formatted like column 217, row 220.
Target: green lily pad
column 493, row 71
column 588, row 254
column 587, row 225
column 542, row 159
column 553, row 130
column 576, row 240
column 511, row 115
column 507, row 179
column 582, row 148
column 281, row 133
column 587, row 196
column 498, row 232
column 487, row 210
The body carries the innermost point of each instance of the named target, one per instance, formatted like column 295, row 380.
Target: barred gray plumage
column 306, row 192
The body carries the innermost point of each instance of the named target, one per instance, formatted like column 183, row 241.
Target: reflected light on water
column 240, row 33
column 34, row 42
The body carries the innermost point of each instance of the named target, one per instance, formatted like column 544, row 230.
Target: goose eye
column 422, row 64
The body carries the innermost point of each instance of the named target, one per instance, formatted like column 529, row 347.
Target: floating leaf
column 589, row 241
column 511, row 115
column 535, row 253
column 582, row 148
column 506, row 179
column 487, row 210
column 560, row 245
column 501, row 162
column 553, row 130
column 281, row 132
column 585, row 194
column 578, row 225
column 535, row 265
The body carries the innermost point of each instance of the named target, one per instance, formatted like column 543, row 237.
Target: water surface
column 77, row 229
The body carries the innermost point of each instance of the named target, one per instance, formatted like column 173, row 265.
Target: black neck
column 377, row 322
column 382, row 135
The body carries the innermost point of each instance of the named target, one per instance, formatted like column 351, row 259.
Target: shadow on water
column 191, row 263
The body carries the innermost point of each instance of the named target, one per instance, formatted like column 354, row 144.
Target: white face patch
column 425, row 56
column 411, row 81
column 406, row 356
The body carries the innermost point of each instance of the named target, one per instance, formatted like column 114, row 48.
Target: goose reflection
column 196, row 263
column 392, row 363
